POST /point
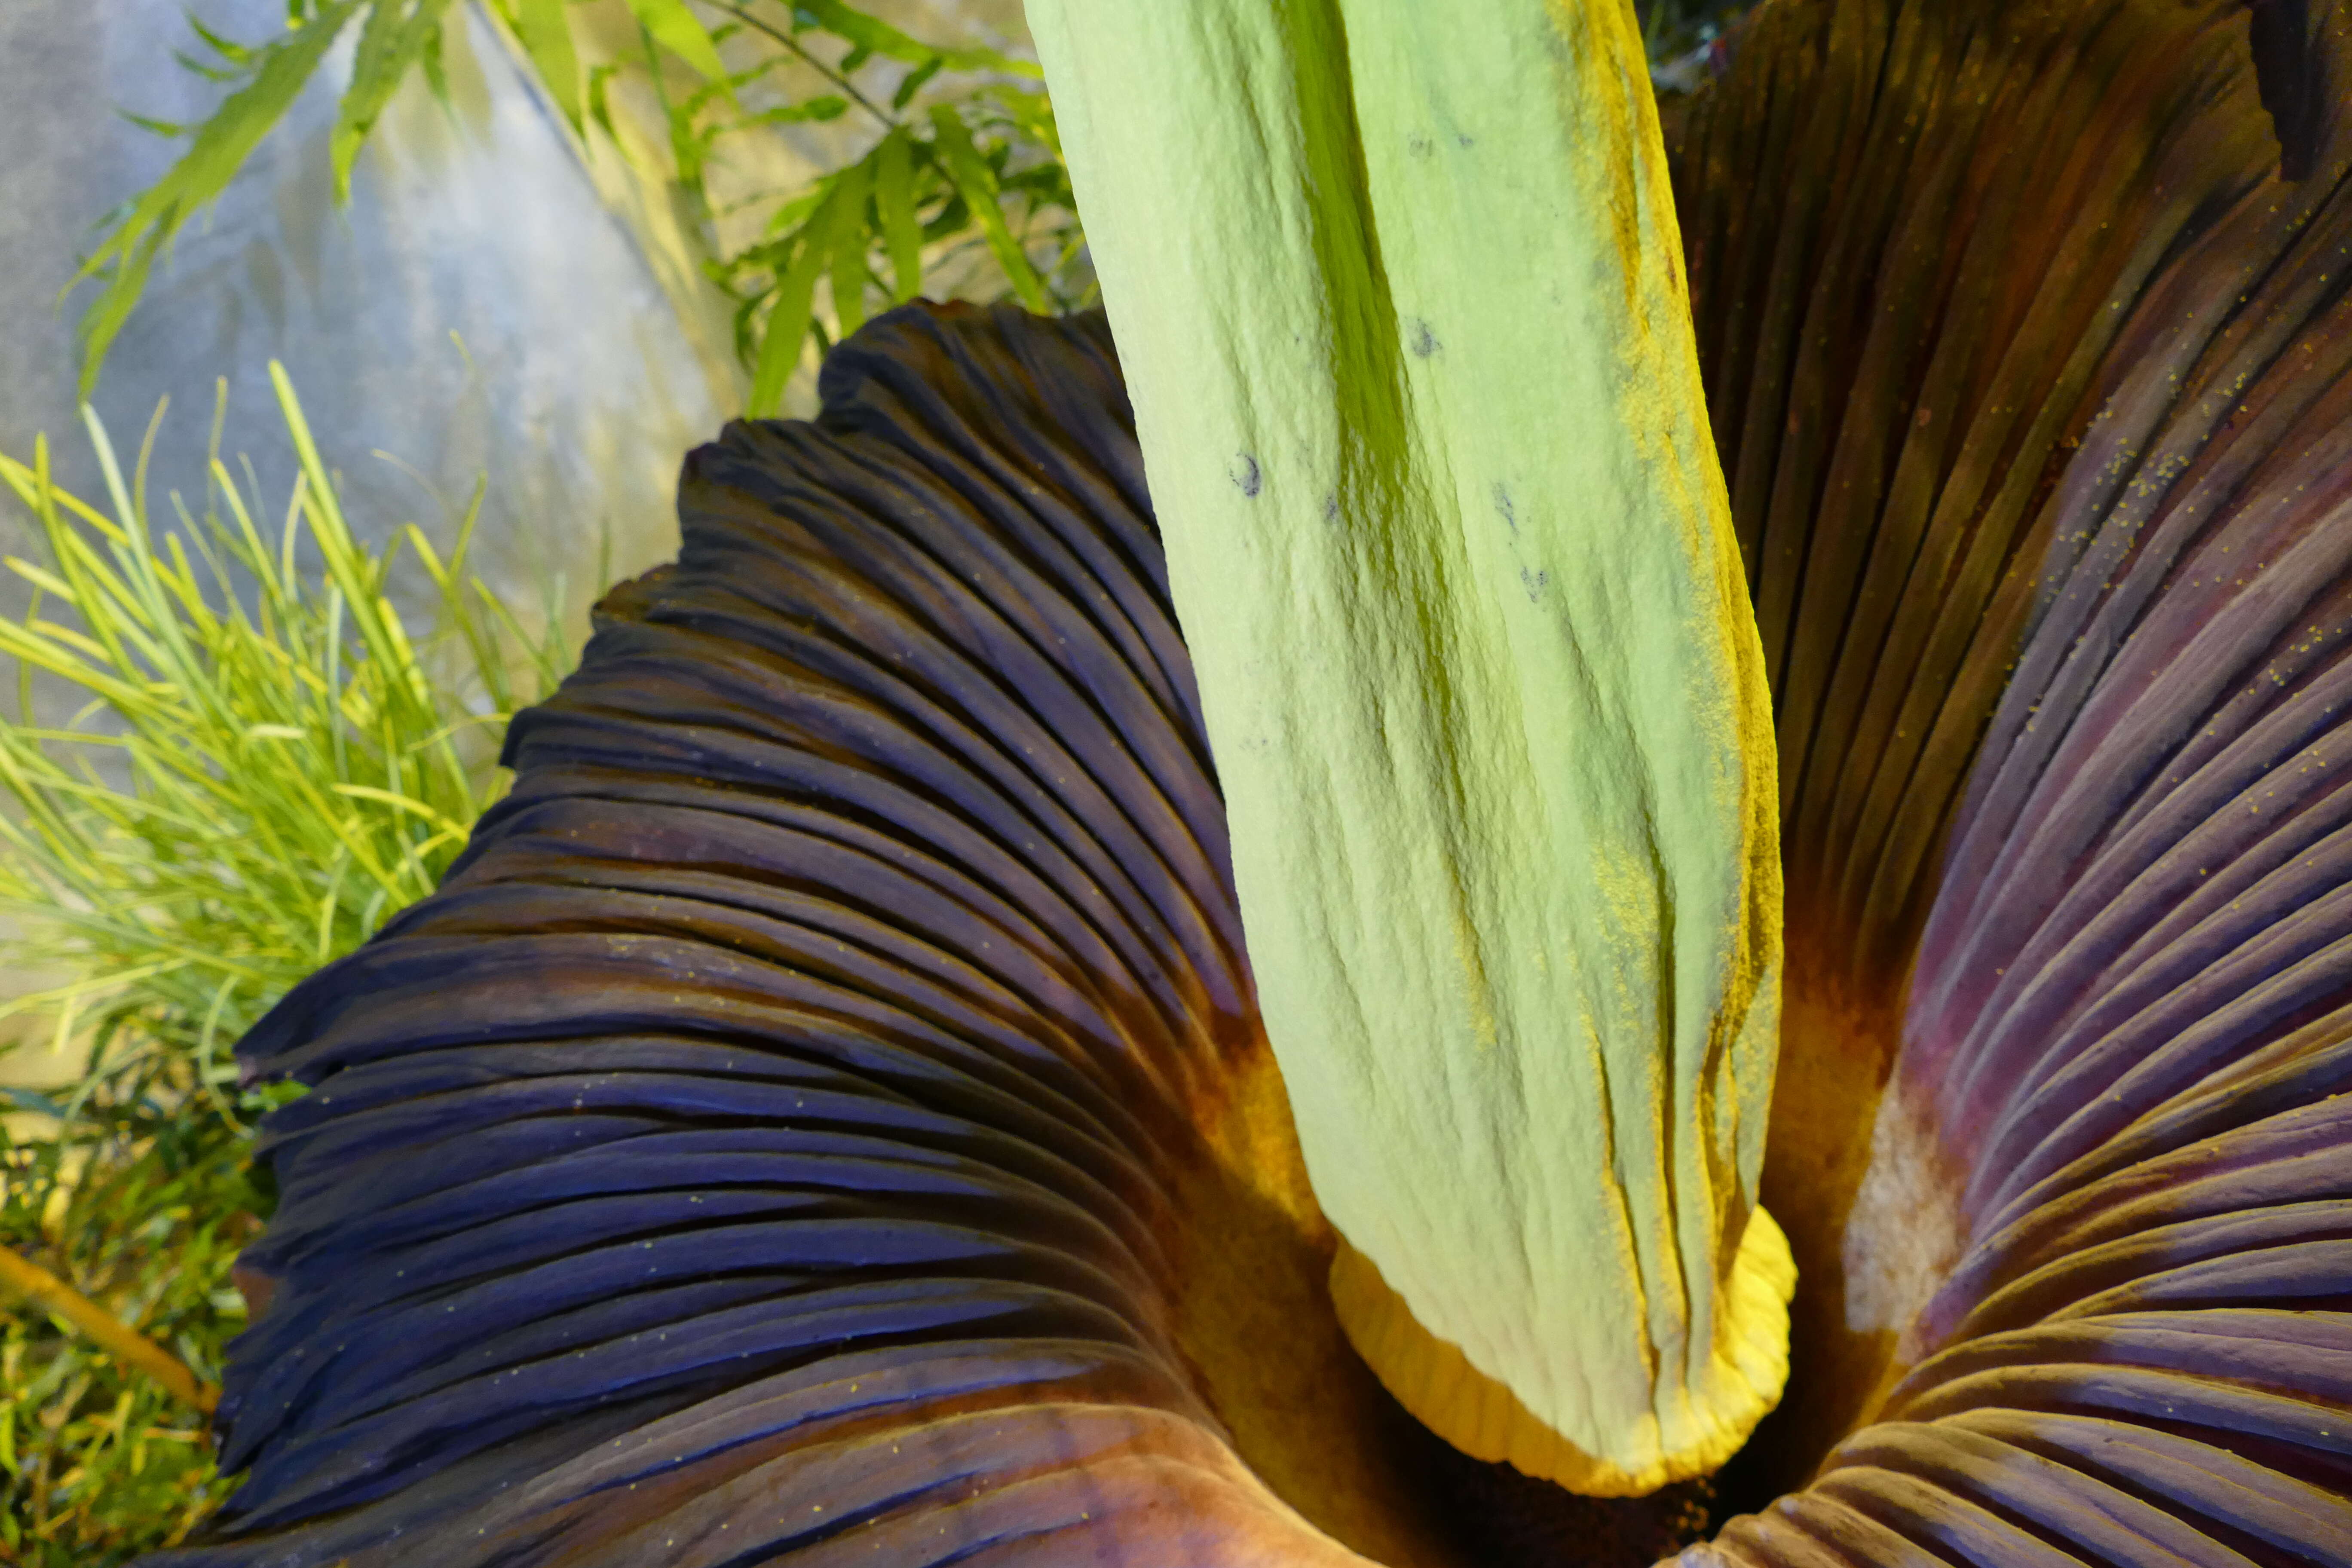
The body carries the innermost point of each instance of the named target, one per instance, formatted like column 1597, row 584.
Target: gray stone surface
column 576, row 392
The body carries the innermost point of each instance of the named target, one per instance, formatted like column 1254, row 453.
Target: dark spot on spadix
column 1244, row 474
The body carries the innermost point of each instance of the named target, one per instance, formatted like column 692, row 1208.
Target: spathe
column 956, row 1221
column 816, row 1100
column 2027, row 377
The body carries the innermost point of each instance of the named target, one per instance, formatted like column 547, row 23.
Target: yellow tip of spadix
column 1478, row 1415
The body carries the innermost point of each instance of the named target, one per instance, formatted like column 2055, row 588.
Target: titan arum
column 829, row 1113
column 1401, row 306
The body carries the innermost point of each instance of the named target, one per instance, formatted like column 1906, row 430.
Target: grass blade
column 395, row 37
column 894, row 203
column 676, row 29
column 788, row 317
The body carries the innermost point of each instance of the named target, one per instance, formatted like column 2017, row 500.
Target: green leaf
column 872, row 36
column 977, row 181
column 847, row 242
column 546, row 35
column 915, row 80
column 1027, row 111
column 829, row 106
column 894, row 203
column 675, row 29
column 951, row 220
column 30, row 1101
column 725, row 85
column 435, row 77
column 788, row 317
column 160, row 127
column 598, row 109
column 210, row 73
column 221, row 147
column 228, row 49
column 390, row 43
column 795, row 212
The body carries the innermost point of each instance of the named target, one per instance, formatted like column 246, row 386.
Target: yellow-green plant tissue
column 1398, row 290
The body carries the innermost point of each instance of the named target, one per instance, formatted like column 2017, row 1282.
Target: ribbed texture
column 754, row 1150
column 759, row 1150
column 2029, row 377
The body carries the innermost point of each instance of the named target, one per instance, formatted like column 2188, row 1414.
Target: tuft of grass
column 266, row 768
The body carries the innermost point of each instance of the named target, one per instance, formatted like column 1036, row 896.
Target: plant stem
column 126, row 1344
column 835, row 77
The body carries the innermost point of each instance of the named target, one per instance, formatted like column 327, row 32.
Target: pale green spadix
column 1398, row 290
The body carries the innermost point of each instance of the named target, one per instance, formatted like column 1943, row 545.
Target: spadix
column 1397, row 292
